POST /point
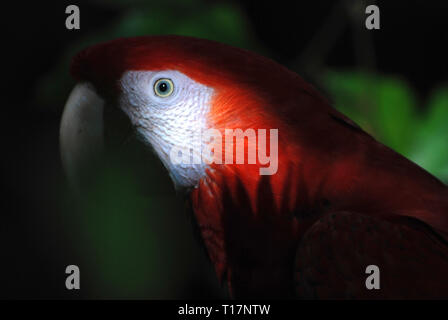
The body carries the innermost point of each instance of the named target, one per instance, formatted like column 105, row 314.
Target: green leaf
column 395, row 114
column 431, row 145
column 353, row 95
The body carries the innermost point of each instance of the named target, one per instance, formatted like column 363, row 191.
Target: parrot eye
column 163, row 87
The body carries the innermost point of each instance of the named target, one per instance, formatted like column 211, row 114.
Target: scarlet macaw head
column 172, row 88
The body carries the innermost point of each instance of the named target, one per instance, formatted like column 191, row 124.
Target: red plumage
column 339, row 201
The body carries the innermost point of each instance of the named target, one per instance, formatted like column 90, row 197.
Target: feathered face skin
column 170, row 119
column 256, row 227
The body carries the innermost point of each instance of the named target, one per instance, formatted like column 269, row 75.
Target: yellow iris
column 163, row 87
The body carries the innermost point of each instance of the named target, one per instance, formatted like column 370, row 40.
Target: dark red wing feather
column 333, row 255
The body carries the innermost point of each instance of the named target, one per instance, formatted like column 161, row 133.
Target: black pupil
column 163, row 87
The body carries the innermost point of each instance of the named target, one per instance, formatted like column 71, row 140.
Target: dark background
column 41, row 233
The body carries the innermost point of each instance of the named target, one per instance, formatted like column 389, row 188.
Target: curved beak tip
column 81, row 131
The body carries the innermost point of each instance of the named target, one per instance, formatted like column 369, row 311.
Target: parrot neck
column 250, row 221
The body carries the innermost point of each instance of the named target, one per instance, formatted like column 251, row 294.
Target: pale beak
column 81, row 131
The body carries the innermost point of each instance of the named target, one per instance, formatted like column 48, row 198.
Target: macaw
column 337, row 202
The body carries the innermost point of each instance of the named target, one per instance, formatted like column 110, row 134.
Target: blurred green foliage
column 135, row 239
column 387, row 108
column 129, row 244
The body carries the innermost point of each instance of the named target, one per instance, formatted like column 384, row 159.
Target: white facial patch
column 175, row 121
